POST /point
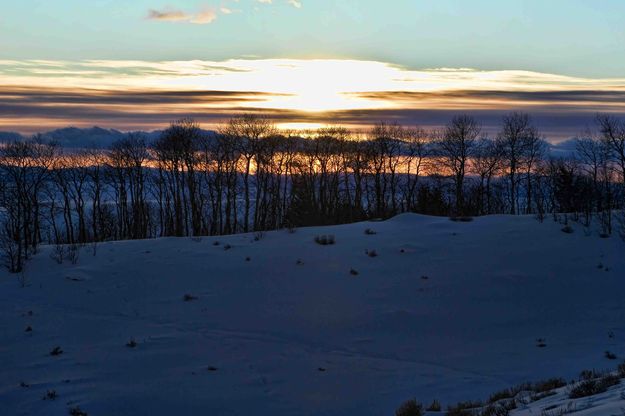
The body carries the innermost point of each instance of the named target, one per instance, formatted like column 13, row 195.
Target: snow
column 447, row 310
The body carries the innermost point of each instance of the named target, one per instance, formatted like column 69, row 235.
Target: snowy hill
column 284, row 326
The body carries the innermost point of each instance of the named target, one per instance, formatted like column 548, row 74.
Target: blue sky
column 572, row 37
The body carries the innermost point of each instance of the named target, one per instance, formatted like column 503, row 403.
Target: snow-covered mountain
column 93, row 137
column 280, row 325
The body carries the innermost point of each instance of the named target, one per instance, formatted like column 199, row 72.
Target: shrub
column 541, row 342
column 621, row 370
column 589, row 374
column 259, row 235
column 29, row 329
column 548, row 385
column 610, row 355
column 76, row 411
column 353, row 272
column 435, row 406
column 73, row 252
column 369, row 231
column 410, row 408
column 567, row 229
column 227, row 247
column 50, row 395
column 461, row 219
column 504, row 394
column 58, row 253
column 325, row 240
column 497, row 410
column 131, row 343
column 56, row 351
column 188, row 297
column 464, row 408
column 594, row 386
column 371, row 253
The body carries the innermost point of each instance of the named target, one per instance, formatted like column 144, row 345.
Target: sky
column 142, row 63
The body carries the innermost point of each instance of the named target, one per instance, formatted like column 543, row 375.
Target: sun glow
column 137, row 94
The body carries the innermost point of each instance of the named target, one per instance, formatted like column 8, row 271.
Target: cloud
column 203, row 17
column 168, row 15
column 294, row 3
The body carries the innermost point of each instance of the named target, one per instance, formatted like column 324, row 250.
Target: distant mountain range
column 100, row 138
column 74, row 137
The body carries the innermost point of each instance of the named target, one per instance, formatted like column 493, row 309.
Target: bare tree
column 518, row 138
column 613, row 132
column 486, row 163
column 456, row 146
column 248, row 130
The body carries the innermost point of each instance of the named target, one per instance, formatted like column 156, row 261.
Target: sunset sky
column 139, row 64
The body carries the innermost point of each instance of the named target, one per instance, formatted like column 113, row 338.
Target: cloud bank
column 140, row 94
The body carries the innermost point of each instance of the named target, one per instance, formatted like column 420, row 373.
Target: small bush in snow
column 621, row 370
column 461, row 219
column 369, row 231
column 589, row 374
column 227, row 247
column 371, row 253
column 463, row 408
column 73, row 252
column 211, row 368
column 248, row 259
column 56, row 351
column 595, row 386
column 50, row 395
column 567, row 229
column 435, row 406
column 58, row 253
column 325, row 240
column 353, row 272
column 548, row 385
column 508, row 393
column 541, row 342
column 259, row 235
column 410, row 408
column 196, row 239
column 76, row 411
column 29, row 329
column 610, row 355
column 216, row 243
column 131, row 343
column 188, row 297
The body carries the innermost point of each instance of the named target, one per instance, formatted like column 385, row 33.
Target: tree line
column 250, row 176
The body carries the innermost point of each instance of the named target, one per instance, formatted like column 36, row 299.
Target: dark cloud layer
column 559, row 114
